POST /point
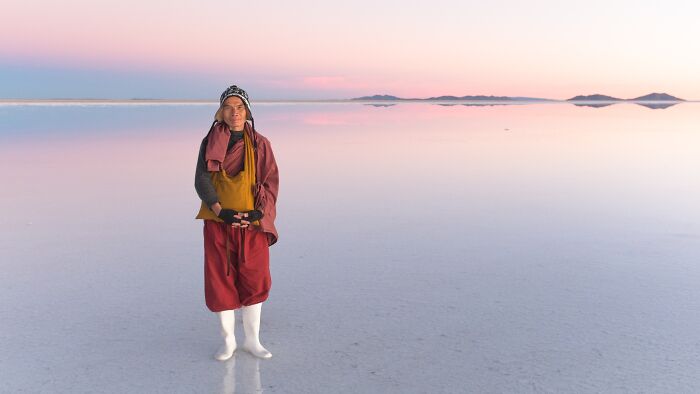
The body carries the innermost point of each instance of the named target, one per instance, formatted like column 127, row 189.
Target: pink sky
column 311, row 49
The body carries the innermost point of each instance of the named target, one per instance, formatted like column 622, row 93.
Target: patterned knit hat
column 234, row 90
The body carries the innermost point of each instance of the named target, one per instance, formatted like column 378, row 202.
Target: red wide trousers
column 236, row 266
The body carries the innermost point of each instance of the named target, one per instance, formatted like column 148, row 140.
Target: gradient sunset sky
column 324, row 49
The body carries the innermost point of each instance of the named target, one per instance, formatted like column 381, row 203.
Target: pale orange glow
column 623, row 50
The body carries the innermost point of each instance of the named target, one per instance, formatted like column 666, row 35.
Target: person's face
column 234, row 113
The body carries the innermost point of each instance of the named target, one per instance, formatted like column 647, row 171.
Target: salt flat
column 423, row 249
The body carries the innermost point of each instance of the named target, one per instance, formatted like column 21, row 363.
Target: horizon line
column 341, row 100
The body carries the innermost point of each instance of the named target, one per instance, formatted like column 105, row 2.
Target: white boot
column 251, row 326
column 228, row 321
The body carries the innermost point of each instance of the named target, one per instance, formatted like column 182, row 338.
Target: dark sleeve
column 202, row 179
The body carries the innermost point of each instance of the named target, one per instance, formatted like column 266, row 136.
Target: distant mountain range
column 648, row 97
column 381, row 97
column 593, row 97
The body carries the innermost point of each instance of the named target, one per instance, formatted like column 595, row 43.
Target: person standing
column 237, row 180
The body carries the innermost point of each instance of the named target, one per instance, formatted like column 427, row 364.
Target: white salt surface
column 557, row 257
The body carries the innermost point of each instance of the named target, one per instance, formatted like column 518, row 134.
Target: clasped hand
column 239, row 219
column 234, row 218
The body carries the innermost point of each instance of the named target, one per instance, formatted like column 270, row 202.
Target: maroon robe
column 266, row 172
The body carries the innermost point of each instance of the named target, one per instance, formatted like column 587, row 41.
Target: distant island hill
column 592, row 97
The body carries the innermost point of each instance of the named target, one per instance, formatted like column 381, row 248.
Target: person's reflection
column 248, row 375
column 229, row 384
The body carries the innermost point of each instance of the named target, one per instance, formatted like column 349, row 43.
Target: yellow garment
column 234, row 192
